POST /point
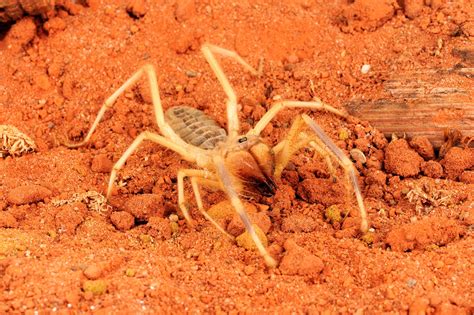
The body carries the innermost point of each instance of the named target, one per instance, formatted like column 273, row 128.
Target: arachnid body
column 239, row 165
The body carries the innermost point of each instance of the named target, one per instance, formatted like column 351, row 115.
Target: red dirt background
column 137, row 255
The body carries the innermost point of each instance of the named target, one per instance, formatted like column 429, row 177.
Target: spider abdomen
column 195, row 127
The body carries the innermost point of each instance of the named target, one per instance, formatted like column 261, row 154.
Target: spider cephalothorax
column 239, row 165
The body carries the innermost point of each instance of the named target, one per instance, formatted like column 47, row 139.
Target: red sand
column 54, row 77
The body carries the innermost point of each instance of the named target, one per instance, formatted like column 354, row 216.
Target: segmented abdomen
column 195, row 127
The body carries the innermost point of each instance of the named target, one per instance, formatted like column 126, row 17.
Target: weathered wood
column 424, row 103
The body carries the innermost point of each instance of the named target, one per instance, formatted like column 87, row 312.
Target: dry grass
column 14, row 142
column 95, row 201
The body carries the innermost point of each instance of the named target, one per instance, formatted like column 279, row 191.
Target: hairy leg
column 155, row 95
column 195, row 175
column 228, row 188
column 297, row 139
column 279, row 106
column 195, row 184
column 345, row 163
column 208, row 51
column 186, row 152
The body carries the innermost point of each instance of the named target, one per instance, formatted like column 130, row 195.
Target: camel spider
column 234, row 163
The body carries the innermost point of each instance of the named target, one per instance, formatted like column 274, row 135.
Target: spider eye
column 242, row 140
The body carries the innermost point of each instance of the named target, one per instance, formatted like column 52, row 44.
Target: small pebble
column 389, row 294
column 224, row 209
column 130, row 272
column 191, row 74
column 438, row 264
column 137, row 8
column 70, row 217
column 95, row 287
column 411, row 283
column 144, row 206
column 292, row 59
column 101, row 164
column 358, row 156
column 93, row 272
column 185, row 9
column 173, row 217
column 122, row 220
column 249, row 270
column 365, row 69
column 134, row 29
column 42, row 82
column 419, row 306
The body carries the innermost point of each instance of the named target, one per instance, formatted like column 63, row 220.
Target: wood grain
column 424, row 102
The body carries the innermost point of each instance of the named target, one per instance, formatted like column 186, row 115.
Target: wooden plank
column 424, row 103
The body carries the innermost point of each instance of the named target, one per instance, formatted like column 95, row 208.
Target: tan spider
column 234, row 163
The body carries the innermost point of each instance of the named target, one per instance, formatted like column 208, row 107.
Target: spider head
column 253, row 164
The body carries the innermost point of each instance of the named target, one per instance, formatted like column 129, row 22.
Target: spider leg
column 277, row 107
column 208, row 51
column 345, row 163
column 285, row 149
column 195, row 184
column 228, row 187
column 294, row 141
column 165, row 129
column 194, row 175
column 322, row 151
column 186, row 152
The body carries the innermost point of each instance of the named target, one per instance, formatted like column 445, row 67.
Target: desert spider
column 237, row 164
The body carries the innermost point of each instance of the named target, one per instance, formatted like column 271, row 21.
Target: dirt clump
column 321, row 190
column 55, row 24
column 7, row 220
column 21, row 34
column 423, row 147
column 122, row 220
column 137, row 8
column 366, row 15
column 185, row 9
column 432, row 169
column 402, row 160
column 159, row 228
column 299, row 261
column 426, row 232
column 144, row 206
column 467, row 177
column 298, row 222
column 457, row 160
column 101, row 164
column 466, row 211
column 419, row 306
column 412, row 8
column 70, row 217
column 245, row 240
column 93, row 272
column 26, row 194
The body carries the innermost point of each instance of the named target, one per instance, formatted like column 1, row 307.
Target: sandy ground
column 63, row 249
